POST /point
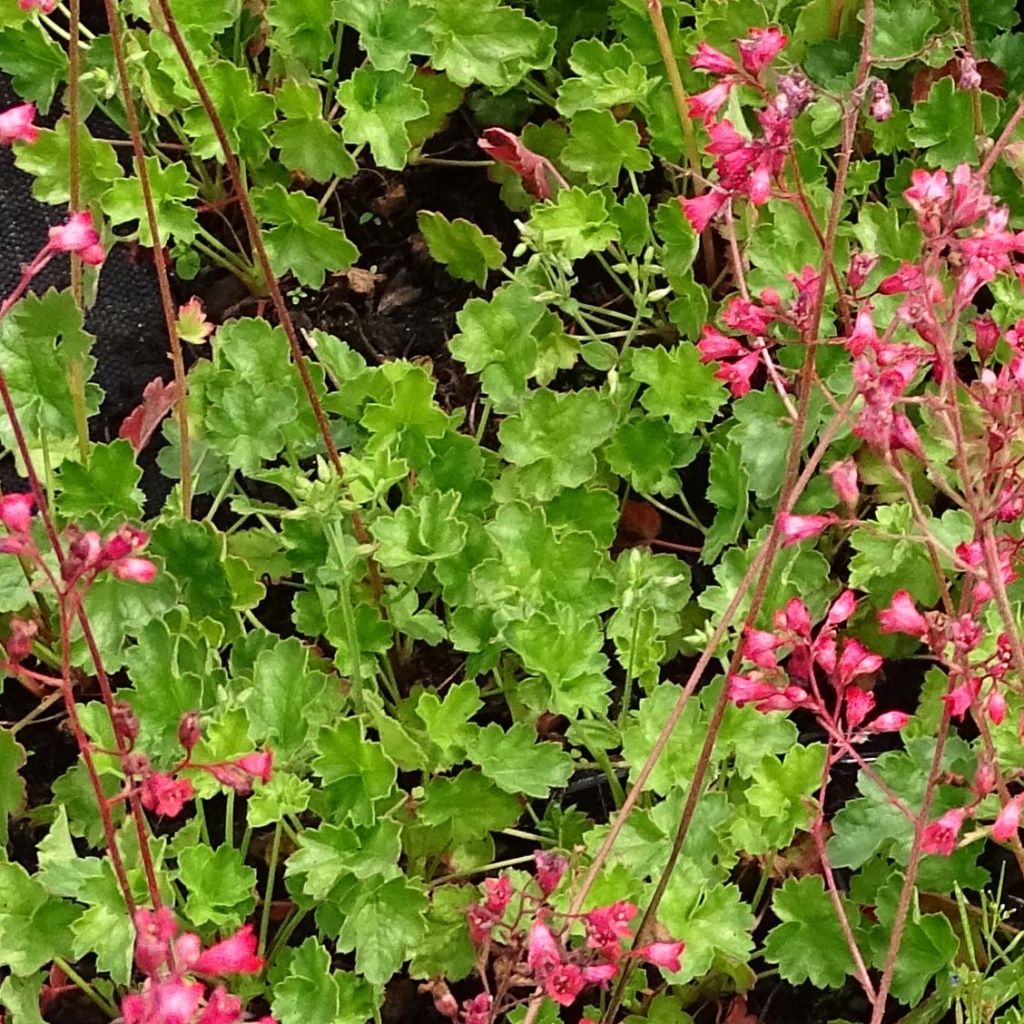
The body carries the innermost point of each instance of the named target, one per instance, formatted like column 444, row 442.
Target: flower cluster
column 170, row 959
column 744, row 166
column 527, row 944
column 846, row 665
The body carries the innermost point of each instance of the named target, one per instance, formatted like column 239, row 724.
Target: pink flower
column 842, row 608
column 907, row 278
column 859, row 704
column 134, row 570
column 844, row 481
column 77, row 235
column 743, row 315
column 984, row 779
column 736, row 376
column 940, row 836
column 1008, row 821
column 478, row 1009
column 707, row 58
column 794, row 617
column 891, row 721
column 550, row 869
column 663, row 954
column 902, row 616
column 864, row 335
column 46, row 6
column 855, row 660
column 175, row 1001
column 258, row 765
column 16, row 124
column 745, row 690
column 986, row 336
column 235, row 955
column 760, row 48
column 699, row 210
column 881, row 102
column 599, row 974
column 959, row 699
column 221, row 1008
column 928, row 196
column 564, row 984
column 542, row 951
column 154, row 930
column 16, row 512
column 713, row 345
column 797, row 528
column 165, row 795
column 499, row 894
column 704, row 105
column 759, row 646
column 480, row 921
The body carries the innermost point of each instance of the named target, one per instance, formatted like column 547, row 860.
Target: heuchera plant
column 683, row 660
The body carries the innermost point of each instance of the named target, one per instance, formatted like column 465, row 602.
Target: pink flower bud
column 699, row 210
column 984, row 779
column 760, row 48
column 986, row 336
column 747, row 690
column 542, row 951
column 881, row 101
column 797, row 528
column 859, row 704
column 223, row 1008
column 45, row 6
column 550, row 869
column 136, row 570
column 258, row 765
column 1008, row 821
column 891, row 721
column 861, row 265
column 600, row 974
column 902, row 616
column 842, row 608
column 940, row 836
column 19, row 644
column 235, row 955
column 499, row 894
column 663, row 954
column 16, row 512
column 16, row 124
column 707, row 58
column 189, row 732
column 995, row 707
column 844, row 482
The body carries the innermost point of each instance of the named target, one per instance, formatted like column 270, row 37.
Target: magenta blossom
column 707, row 58
column 902, row 616
column 797, row 528
column 165, row 795
column 550, row 869
column 17, row 124
column 760, row 48
column 564, row 984
column 940, row 836
column 45, row 6
column 663, row 954
column 235, row 955
column 16, row 512
column 542, row 953
column 699, row 210
column 1008, row 821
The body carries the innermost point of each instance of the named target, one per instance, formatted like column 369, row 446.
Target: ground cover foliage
column 663, row 661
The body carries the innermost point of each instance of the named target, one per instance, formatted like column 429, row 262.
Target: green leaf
column 283, row 683
column 36, row 63
column 358, row 771
column 944, row 124
column 447, row 722
column 284, row 794
column 301, row 243
column 302, row 29
column 445, row 801
column 679, row 386
column 244, row 111
column 901, row 30
column 330, row 853
column 172, row 189
column 576, row 224
column 427, row 530
column 308, row 143
column 384, row 927
column 646, row 451
column 379, row 106
column 461, row 246
column 676, row 764
column 390, row 33
column 40, row 339
column 728, row 494
column 12, row 787
column 608, row 77
column 34, row 926
column 103, row 492
column 516, row 762
column 20, row 998
column 554, row 437
column 763, row 434
column 808, row 945
column 480, row 41
column 601, row 147
column 47, row 160
column 221, row 887
column 311, row 993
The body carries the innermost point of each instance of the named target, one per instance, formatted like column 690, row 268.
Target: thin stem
column 159, row 258
column 268, row 892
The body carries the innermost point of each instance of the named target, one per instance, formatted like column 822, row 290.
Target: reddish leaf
column 535, row 170
column 157, row 401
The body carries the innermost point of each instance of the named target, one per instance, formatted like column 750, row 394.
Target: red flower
column 713, row 345
column 499, row 893
column 1008, row 821
column 258, row 765
column 902, row 616
column 536, row 171
column 16, row 123
column 707, row 103
column 748, row 690
column 940, row 836
column 478, row 1009
column 16, row 512
column 165, row 795
column 707, row 58
column 235, row 955
column 135, row 570
column 599, row 974
column 859, row 704
column 46, row 6
column 699, row 210
column 564, row 984
column 798, row 528
column 663, row 954
column 760, row 48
